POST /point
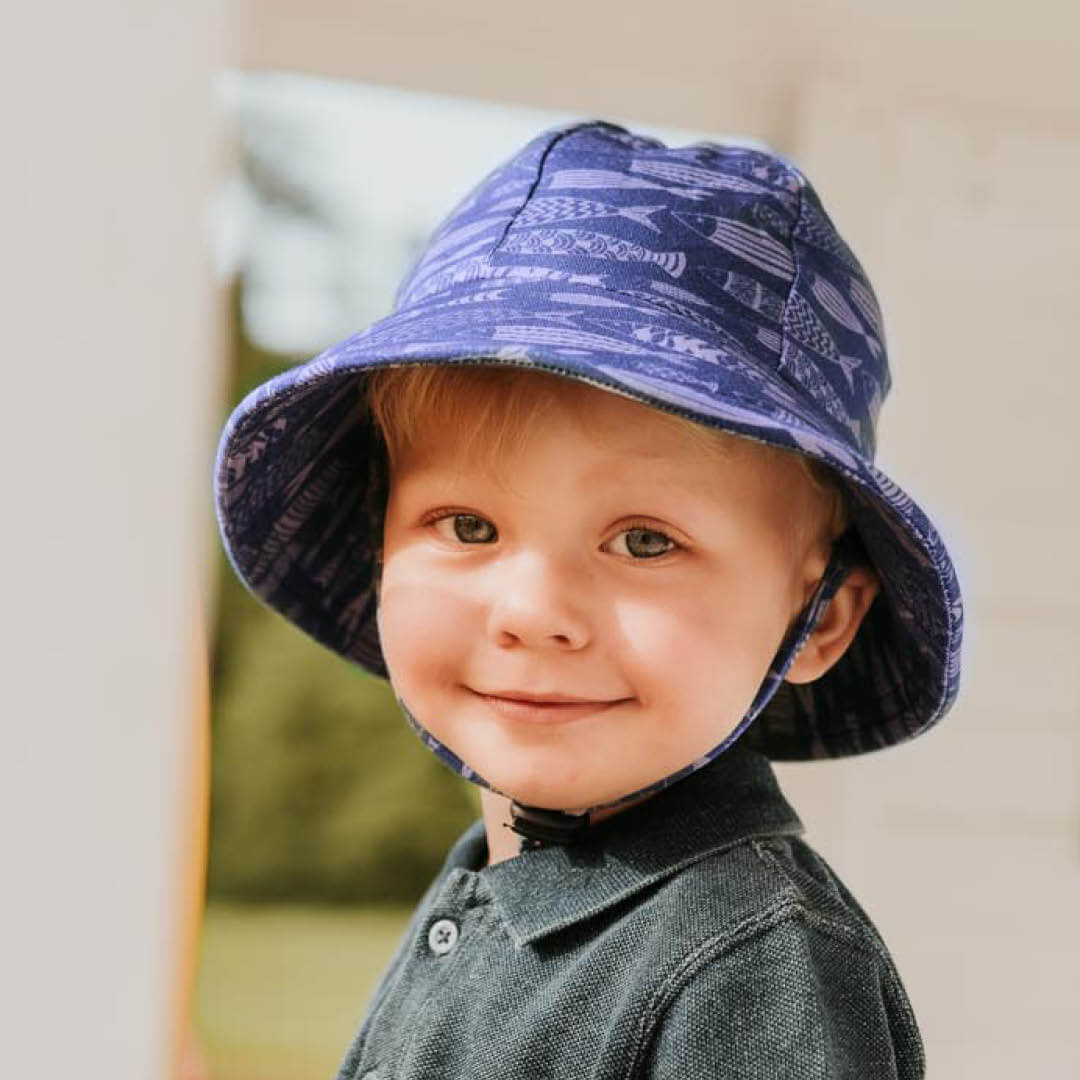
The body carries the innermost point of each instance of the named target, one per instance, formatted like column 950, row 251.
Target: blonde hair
column 505, row 402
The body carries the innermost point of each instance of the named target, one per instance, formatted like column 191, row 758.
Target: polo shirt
column 693, row 935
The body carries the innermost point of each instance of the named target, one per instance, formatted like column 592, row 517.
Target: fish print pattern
column 677, row 292
column 832, row 300
column 865, row 301
column 770, row 339
column 873, row 394
column 717, row 287
column 684, row 344
column 607, row 180
column 427, row 268
column 750, row 292
column 518, row 185
column 784, row 181
column 809, row 375
column 723, row 333
column 694, row 176
column 438, row 281
column 815, row 229
column 591, row 244
column 588, row 300
column 544, row 210
column 526, row 274
column 755, row 246
column 804, row 326
column 566, row 339
column 453, row 239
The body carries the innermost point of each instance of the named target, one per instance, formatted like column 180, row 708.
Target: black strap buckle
column 538, row 826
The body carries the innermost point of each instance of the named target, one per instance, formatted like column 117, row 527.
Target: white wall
column 964, row 844
column 109, row 384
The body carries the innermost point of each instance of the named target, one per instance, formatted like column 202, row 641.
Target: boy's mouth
column 542, row 699
column 544, row 707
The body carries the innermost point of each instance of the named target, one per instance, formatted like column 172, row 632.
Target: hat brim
column 300, row 485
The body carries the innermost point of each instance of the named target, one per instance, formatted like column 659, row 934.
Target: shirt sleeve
column 802, row 1000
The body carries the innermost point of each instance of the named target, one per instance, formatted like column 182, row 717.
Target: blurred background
column 199, row 196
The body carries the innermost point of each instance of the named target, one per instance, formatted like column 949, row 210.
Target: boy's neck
column 503, row 843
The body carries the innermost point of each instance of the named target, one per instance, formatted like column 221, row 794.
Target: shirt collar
column 546, row 889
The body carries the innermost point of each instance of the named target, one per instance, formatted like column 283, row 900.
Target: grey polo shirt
column 693, row 935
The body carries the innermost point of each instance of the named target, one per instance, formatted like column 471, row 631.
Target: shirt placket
column 415, row 1014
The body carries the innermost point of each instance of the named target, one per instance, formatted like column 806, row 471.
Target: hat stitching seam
column 785, row 340
column 559, row 136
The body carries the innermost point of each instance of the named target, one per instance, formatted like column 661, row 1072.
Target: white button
column 442, row 936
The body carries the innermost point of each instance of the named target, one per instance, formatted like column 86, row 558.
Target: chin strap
column 538, row 826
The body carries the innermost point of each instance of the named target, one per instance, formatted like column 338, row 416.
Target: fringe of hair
column 506, row 402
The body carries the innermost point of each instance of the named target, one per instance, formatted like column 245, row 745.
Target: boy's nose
column 536, row 603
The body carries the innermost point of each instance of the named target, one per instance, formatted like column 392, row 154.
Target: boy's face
column 613, row 563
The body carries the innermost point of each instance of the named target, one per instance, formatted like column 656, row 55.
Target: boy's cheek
column 420, row 628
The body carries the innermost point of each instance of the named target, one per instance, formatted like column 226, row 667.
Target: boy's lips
column 545, row 699
column 544, row 708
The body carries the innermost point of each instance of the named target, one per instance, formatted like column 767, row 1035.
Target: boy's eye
column 642, row 543
column 638, row 542
column 467, row 528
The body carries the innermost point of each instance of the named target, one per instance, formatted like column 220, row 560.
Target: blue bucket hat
column 706, row 281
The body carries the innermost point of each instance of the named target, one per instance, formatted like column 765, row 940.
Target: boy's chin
column 546, row 794
column 554, row 802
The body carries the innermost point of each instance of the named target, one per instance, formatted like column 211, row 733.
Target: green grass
column 282, row 988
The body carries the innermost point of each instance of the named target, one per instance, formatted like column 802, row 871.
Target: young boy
column 598, row 498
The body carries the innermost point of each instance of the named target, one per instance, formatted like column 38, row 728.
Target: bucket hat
column 706, row 281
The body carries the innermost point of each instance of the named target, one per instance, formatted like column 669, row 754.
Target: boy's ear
column 837, row 627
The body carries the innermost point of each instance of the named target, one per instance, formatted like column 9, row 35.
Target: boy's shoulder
column 766, row 907
column 776, row 944
column 761, row 881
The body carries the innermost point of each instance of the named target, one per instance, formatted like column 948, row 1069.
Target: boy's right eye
column 466, row 528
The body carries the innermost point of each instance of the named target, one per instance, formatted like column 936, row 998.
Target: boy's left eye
column 466, row 528
column 641, row 543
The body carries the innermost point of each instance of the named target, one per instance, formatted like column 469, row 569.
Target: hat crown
column 716, row 246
